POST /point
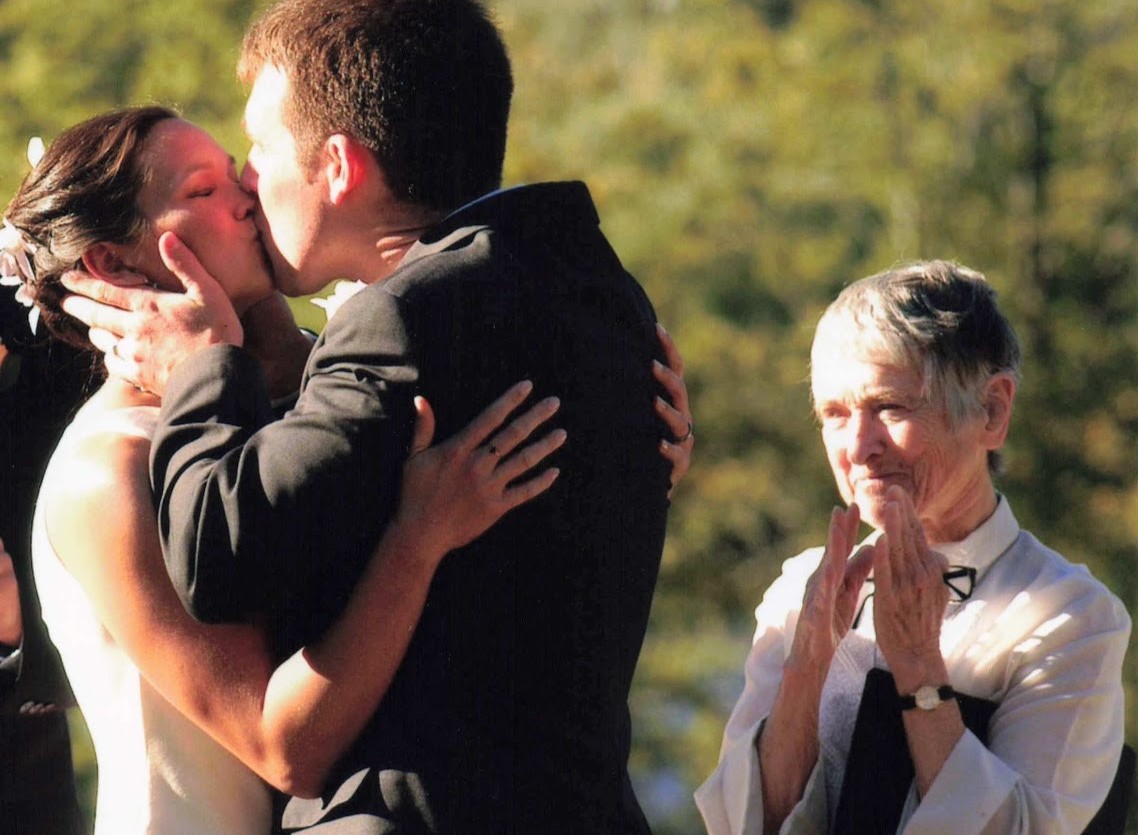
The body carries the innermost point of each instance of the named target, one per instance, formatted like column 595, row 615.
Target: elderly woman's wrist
column 803, row 680
column 911, row 673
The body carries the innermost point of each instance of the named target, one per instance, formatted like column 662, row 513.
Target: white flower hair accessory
column 16, row 268
column 35, row 150
column 16, row 252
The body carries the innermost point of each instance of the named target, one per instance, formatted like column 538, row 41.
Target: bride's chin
column 245, row 303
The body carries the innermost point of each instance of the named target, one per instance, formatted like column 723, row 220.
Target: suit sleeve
column 257, row 513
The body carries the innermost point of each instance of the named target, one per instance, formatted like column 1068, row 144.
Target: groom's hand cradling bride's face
column 145, row 332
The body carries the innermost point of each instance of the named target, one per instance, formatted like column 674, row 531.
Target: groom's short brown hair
column 424, row 84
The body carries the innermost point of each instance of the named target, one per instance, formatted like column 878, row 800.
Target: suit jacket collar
column 530, row 209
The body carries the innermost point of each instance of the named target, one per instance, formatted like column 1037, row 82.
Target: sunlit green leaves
column 749, row 158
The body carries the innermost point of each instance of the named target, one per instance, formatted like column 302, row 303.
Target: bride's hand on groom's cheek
column 674, row 408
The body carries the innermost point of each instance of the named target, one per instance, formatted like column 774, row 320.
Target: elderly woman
column 914, row 375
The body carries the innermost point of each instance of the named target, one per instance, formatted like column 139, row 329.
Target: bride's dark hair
column 82, row 192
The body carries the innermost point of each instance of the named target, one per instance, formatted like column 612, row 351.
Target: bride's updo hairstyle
column 84, row 191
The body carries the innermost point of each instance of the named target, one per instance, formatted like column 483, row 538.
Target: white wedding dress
column 159, row 774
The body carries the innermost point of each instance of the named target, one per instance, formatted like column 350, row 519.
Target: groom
column 378, row 130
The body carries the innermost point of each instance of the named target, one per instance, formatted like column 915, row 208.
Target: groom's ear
column 105, row 261
column 345, row 165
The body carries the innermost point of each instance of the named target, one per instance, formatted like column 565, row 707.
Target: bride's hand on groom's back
column 674, row 409
column 455, row 491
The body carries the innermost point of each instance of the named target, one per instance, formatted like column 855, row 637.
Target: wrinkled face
column 880, row 429
column 193, row 191
column 290, row 199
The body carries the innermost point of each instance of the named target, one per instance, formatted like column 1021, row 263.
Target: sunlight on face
column 193, row 192
column 289, row 195
column 879, row 429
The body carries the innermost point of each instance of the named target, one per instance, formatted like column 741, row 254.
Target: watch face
column 927, row 697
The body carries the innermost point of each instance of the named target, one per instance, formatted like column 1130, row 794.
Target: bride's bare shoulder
column 99, row 481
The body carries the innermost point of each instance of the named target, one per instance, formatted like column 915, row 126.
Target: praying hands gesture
column 909, row 603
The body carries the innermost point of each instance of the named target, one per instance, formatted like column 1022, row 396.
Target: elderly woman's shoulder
column 1050, row 579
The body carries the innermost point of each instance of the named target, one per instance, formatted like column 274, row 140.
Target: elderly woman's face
column 879, row 429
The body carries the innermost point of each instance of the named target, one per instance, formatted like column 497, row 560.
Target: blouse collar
column 984, row 545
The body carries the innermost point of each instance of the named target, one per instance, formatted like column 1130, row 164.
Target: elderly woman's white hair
column 937, row 316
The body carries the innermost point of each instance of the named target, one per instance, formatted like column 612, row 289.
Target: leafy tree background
column 749, row 158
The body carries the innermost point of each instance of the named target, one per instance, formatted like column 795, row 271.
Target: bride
column 187, row 719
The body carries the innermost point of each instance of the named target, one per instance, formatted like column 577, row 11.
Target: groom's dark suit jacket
column 509, row 713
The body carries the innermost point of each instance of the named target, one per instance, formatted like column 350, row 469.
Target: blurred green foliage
column 750, row 157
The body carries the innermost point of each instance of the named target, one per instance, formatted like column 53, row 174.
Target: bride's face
column 192, row 190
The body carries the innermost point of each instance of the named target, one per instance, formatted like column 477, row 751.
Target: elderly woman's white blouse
column 1039, row 636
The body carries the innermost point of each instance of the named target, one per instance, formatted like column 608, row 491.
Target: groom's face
column 290, row 198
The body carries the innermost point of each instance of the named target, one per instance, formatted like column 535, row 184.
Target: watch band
column 927, row 697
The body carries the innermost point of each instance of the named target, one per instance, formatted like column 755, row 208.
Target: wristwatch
column 928, row 697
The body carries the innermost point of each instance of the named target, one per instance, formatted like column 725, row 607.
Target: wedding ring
column 688, row 434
